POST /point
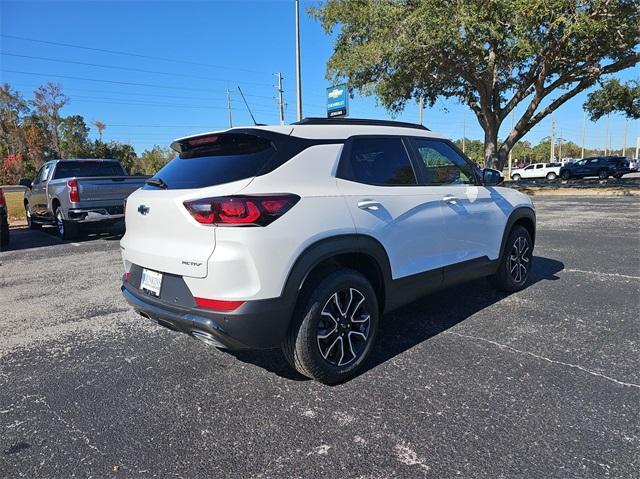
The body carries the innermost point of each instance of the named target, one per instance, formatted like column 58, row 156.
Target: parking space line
column 543, row 358
column 598, row 273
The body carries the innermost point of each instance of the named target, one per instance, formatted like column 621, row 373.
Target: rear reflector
column 218, row 304
column 241, row 210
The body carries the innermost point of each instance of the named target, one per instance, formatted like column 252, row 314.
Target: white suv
column 302, row 236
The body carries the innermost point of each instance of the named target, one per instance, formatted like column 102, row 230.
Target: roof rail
column 358, row 121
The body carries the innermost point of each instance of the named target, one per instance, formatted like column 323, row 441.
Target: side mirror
column 491, row 177
column 25, row 182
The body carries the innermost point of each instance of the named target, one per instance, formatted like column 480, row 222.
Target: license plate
column 151, row 281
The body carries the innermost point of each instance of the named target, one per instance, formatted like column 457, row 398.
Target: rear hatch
column 161, row 234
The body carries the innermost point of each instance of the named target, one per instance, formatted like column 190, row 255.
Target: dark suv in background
column 601, row 166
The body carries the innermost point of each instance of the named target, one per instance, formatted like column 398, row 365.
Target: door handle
column 450, row 199
column 369, row 205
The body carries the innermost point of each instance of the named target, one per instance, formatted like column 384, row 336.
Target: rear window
column 221, row 159
column 68, row 169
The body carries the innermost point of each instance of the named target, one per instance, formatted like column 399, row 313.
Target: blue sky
column 216, row 44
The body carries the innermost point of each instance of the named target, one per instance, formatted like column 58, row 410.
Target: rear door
column 378, row 179
column 473, row 217
column 539, row 170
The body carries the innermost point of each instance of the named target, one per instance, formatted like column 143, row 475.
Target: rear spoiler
column 186, row 144
column 183, row 145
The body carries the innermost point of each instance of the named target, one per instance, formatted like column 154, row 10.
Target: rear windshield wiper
column 159, row 182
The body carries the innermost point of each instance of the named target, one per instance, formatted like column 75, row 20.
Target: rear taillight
column 241, row 210
column 2, row 201
column 74, row 193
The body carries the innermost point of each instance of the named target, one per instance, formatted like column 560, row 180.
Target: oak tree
column 490, row 54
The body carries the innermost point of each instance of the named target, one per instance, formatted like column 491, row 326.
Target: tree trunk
column 491, row 158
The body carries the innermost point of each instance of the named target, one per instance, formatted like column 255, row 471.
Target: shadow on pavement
column 404, row 328
column 22, row 238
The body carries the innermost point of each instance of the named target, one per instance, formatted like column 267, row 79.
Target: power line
column 172, row 105
column 146, row 102
column 151, row 85
column 167, row 87
column 130, row 54
column 111, row 92
column 116, row 67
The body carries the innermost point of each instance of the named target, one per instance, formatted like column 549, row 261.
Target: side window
column 530, row 167
column 442, row 164
column 378, row 161
column 540, row 166
column 43, row 173
column 39, row 175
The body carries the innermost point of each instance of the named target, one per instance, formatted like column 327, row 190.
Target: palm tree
column 100, row 126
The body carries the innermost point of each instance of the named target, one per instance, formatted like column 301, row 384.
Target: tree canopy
column 491, row 55
column 32, row 132
column 614, row 97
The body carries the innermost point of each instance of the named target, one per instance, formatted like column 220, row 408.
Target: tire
column 67, row 230
column 617, row 176
column 516, row 261
column 30, row 223
column 603, row 174
column 516, row 177
column 310, row 346
column 551, row 176
column 565, row 175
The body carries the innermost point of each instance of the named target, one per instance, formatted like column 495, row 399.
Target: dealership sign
column 337, row 101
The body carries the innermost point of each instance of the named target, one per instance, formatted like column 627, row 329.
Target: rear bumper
column 260, row 324
column 92, row 215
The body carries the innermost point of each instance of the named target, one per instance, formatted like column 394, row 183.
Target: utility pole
column 560, row 145
column 553, row 133
column 637, row 148
column 584, row 133
column 464, row 134
column 421, row 108
column 298, row 73
column 624, row 144
column 229, row 107
column 511, row 150
column 606, row 139
column 280, row 99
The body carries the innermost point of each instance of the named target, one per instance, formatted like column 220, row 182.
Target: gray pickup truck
column 70, row 193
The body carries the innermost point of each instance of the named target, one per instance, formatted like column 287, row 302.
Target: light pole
column 298, row 72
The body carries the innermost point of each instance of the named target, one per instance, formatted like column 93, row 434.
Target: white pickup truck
column 550, row 171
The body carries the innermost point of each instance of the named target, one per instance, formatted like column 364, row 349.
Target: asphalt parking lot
column 464, row 383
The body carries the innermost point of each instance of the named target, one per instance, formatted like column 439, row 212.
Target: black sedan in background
column 601, row 166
